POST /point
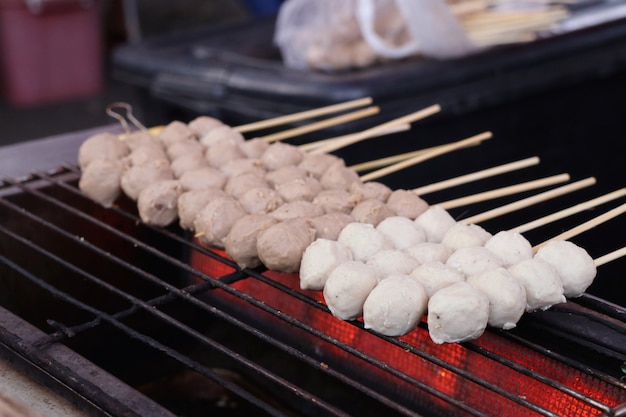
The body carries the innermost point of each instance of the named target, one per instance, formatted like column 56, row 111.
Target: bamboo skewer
column 569, row 211
column 307, row 114
column 313, row 145
column 311, row 127
column 586, row 226
column 501, row 192
column 389, row 160
column 609, row 257
column 474, row 176
column 508, row 208
column 357, row 137
column 420, row 158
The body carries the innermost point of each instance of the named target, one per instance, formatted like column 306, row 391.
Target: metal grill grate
column 145, row 303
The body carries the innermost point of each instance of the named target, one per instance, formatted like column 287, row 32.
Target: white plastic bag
column 342, row 34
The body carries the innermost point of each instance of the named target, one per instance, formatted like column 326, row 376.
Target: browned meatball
column 280, row 247
column 241, row 242
column 158, row 202
column 100, row 181
column 406, row 203
column 215, row 220
column 101, row 146
column 254, row 148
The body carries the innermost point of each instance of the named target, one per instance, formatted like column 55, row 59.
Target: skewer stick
column 356, row 137
column 474, row 176
column 609, row 257
column 312, row 145
column 501, row 192
column 420, row 158
column 569, row 211
column 590, row 224
column 517, row 205
column 311, row 127
column 378, row 163
column 307, row 114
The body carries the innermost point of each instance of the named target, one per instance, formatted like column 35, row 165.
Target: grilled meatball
column 238, row 185
column 241, row 242
column 406, row 203
column 145, row 153
column 317, row 164
column 299, row 189
column 138, row 177
column 338, row 176
column 395, row 306
column 574, row 265
column 101, row 146
column 174, row 131
column 329, row 225
column 285, row 174
column 100, row 181
column 215, row 220
column 507, row 297
column 260, row 200
column 187, row 162
column 457, row 313
column 347, row 288
column 240, row 166
column 223, row 152
column 280, row 247
column 254, row 148
column 204, row 177
column 158, row 202
column 335, row 201
column 185, row 146
column 318, row 260
column 191, row 202
column 139, row 138
column 371, row 211
column 221, row 133
column 201, row 125
column 297, row 209
column 280, row 154
column 370, row 190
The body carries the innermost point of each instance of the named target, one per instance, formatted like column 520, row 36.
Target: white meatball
column 402, row 231
column 511, row 248
column 463, row 235
column 395, row 306
column 435, row 275
column 174, row 131
column 541, row 281
column 429, row 252
column 457, row 313
column 347, row 288
column 435, row 222
column 507, row 297
column 318, row 260
column 363, row 240
column 254, row 148
column 473, row 260
column 392, row 262
column 574, row 265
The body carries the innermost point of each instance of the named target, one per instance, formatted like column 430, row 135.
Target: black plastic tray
column 236, row 73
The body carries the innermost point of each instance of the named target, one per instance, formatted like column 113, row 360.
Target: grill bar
column 185, row 294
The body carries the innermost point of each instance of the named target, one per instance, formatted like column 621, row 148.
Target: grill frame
column 65, row 179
